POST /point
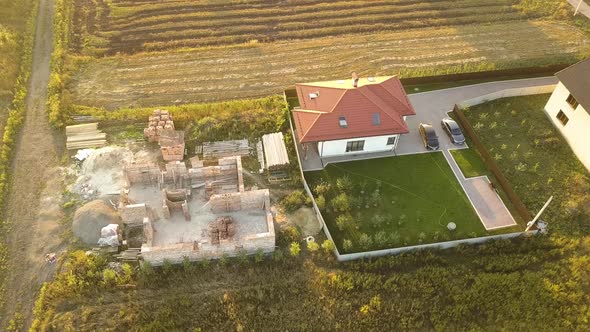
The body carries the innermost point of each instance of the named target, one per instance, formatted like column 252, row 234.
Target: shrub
column 313, row 246
column 294, row 201
column 341, row 203
column 294, row 249
column 347, row 245
column 344, row 221
column 365, row 241
column 321, row 202
column 344, row 184
column 289, row 234
column 322, row 188
column 328, row 246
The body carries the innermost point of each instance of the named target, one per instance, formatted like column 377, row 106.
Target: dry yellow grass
column 260, row 69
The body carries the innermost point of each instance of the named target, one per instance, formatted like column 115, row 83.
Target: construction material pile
column 90, row 219
column 172, row 145
column 161, row 120
column 102, row 172
column 84, row 136
column 275, row 151
column 220, row 149
column 222, row 228
column 161, row 130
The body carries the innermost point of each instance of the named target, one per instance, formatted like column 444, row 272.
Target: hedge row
column 62, row 33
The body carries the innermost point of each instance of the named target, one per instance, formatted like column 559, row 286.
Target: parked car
column 429, row 137
column 452, row 129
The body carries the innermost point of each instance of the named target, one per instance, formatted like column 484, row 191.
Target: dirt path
column 33, row 209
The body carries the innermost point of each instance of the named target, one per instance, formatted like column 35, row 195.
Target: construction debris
column 212, row 150
column 85, row 136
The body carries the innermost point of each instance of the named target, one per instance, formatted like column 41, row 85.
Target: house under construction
column 201, row 212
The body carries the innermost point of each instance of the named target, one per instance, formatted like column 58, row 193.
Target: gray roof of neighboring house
column 576, row 79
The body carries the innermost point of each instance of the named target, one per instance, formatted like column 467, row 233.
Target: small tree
column 328, row 246
column 365, row 241
column 343, row 221
column 313, row 246
column 294, row 249
column 347, row 245
column 344, row 184
column 341, row 203
column 321, row 202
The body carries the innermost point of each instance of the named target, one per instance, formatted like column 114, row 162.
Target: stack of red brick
column 161, row 120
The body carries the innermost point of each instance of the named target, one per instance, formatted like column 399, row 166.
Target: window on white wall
column 562, row 117
column 572, row 101
column 391, row 140
column 355, row 146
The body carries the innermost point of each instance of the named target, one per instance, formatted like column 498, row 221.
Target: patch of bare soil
column 33, row 202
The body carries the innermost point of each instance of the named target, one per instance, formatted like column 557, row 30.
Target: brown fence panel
column 493, row 166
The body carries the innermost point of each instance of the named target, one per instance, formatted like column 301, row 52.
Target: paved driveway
column 430, row 108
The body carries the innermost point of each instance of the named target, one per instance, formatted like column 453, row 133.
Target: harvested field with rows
column 260, row 69
column 149, row 25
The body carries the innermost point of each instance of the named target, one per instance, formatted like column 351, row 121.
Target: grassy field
column 13, row 18
column 400, row 201
column 535, row 159
column 539, row 284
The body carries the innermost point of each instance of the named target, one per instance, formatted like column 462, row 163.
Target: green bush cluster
column 57, row 109
column 295, row 200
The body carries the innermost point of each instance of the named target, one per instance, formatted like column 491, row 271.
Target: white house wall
column 577, row 129
column 372, row 144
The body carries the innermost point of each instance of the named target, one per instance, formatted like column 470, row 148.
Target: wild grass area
column 130, row 54
column 393, row 202
column 13, row 19
column 536, row 159
column 534, row 284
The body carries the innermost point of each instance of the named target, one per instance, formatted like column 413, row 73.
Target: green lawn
column 393, row 202
column 535, row 159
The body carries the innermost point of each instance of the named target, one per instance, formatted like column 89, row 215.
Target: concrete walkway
column 487, row 203
column 584, row 7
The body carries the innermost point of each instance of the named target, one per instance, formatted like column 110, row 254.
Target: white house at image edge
column 569, row 108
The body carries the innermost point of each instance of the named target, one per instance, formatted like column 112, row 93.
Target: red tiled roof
column 318, row 118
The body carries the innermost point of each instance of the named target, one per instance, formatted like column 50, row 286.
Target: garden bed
column 535, row 158
column 393, row 202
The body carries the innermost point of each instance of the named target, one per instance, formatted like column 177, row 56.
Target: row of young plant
column 316, row 32
column 62, row 34
column 14, row 122
column 329, row 16
column 395, row 19
column 300, row 12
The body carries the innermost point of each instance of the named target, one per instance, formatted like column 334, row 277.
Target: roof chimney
column 355, row 79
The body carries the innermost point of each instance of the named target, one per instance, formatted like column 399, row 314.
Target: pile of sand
column 91, row 218
column 102, row 172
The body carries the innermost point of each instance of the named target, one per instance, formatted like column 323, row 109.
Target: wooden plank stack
column 85, row 136
column 220, row 149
